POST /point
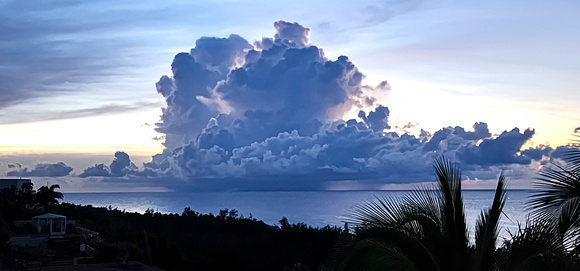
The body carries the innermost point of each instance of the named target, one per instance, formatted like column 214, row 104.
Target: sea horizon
column 241, row 191
column 314, row 208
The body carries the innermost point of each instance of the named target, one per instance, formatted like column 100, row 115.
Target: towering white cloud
column 269, row 115
column 227, row 97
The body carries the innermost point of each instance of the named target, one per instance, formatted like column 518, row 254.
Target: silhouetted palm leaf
column 556, row 187
column 538, row 246
column 487, row 230
column 556, row 204
column 557, row 199
column 399, row 231
column 453, row 216
column 47, row 196
column 425, row 229
column 572, row 156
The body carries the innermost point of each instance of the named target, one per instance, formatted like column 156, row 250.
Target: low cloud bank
column 41, row 170
column 120, row 167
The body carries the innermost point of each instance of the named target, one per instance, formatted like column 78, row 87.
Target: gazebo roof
column 48, row 216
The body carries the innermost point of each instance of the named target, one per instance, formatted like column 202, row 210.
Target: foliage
column 47, row 197
column 426, row 230
column 556, row 201
column 194, row 241
column 534, row 247
column 25, row 202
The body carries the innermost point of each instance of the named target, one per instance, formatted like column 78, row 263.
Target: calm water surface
column 317, row 209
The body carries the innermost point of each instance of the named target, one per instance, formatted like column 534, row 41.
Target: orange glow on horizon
column 141, row 150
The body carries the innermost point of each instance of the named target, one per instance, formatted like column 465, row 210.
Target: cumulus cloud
column 539, row 152
column 96, row 170
column 120, row 166
column 501, row 150
column 270, row 115
column 293, row 34
column 376, row 120
column 41, row 170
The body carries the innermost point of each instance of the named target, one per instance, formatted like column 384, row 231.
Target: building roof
column 14, row 179
column 48, row 216
column 17, row 183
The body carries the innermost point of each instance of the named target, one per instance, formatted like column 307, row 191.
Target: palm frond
column 410, row 224
column 554, row 188
column 388, row 249
column 572, row 156
column 425, row 200
column 557, row 184
column 378, row 213
column 537, row 246
column 426, row 229
column 487, row 229
column 453, row 215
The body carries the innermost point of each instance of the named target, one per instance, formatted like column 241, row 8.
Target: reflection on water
column 317, row 209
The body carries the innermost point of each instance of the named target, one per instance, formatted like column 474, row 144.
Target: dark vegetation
column 426, row 230
column 24, row 202
column 194, row 241
column 189, row 241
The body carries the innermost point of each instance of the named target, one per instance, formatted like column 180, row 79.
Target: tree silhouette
column 47, row 196
column 557, row 199
column 425, row 230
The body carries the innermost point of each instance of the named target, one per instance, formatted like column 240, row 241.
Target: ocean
column 316, row 208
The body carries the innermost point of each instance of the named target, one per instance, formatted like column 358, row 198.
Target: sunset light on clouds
column 307, row 95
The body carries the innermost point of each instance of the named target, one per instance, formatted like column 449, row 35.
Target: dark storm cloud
column 270, row 115
column 561, row 152
column 376, row 120
column 445, row 135
column 221, row 54
column 539, row 152
column 15, row 165
column 96, row 170
column 194, row 74
column 43, row 170
column 121, row 165
column 501, row 150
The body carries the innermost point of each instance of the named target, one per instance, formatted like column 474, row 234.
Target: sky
column 288, row 95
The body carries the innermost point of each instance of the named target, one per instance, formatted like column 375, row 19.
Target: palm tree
column 536, row 246
column 26, row 194
column 47, row 196
column 425, row 230
column 557, row 199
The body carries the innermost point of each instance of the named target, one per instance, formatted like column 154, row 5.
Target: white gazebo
column 50, row 223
